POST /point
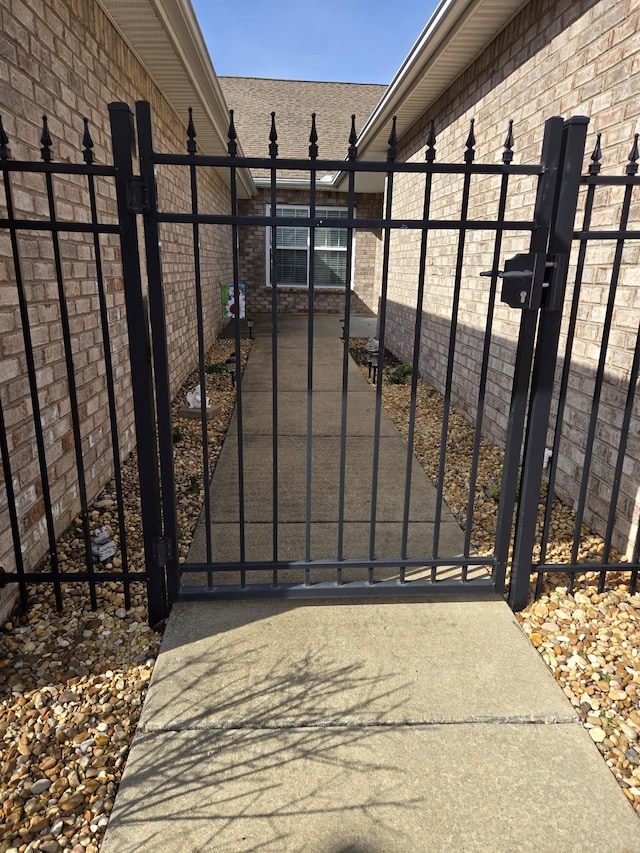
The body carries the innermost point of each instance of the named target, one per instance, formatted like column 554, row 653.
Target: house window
column 293, row 250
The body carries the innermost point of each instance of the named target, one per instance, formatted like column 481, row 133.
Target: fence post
column 543, row 215
column 546, row 355
column 122, row 137
column 159, row 342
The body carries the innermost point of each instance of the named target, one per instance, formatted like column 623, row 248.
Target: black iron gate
column 533, row 282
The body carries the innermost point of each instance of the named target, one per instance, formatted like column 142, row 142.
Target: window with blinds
column 292, row 250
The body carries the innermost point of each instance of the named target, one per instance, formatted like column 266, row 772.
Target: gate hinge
column 523, row 280
column 137, row 195
column 162, row 550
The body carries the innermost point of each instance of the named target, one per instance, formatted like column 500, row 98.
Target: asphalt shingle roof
column 253, row 99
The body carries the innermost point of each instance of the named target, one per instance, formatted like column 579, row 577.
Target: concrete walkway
column 360, row 727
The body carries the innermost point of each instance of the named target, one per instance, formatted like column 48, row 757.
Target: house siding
column 555, row 58
column 65, row 59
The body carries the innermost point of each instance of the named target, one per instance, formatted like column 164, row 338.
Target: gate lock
column 523, row 280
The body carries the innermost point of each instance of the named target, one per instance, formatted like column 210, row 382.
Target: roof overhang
column 166, row 39
column 456, row 34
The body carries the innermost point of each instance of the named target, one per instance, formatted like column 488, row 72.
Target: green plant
column 215, row 367
column 194, row 486
column 177, row 435
column 397, row 375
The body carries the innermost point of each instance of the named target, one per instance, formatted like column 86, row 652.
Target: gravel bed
column 72, row 684
column 589, row 640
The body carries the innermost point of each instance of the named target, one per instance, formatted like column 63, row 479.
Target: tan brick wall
column 65, row 59
column 565, row 58
column 253, row 257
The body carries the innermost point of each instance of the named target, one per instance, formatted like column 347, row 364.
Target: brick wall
column 65, row 59
column 557, row 57
column 253, row 268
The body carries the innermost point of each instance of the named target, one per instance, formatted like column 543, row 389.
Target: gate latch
column 137, row 195
column 523, row 280
column 161, row 550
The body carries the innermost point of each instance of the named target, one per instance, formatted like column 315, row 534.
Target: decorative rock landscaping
column 72, row 684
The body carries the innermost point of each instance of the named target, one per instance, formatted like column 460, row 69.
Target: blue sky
column 334, row 40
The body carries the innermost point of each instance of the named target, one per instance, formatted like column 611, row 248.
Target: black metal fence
column 616, row 423
column 50, row 429
column 535, row 282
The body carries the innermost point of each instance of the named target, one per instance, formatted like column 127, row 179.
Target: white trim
column 323, row 287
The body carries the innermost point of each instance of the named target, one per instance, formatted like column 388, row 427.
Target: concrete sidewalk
column 360, row 727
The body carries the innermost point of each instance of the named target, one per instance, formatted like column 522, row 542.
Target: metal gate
column 533, row 282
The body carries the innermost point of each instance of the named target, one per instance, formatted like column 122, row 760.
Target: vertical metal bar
column 111, row 397
column 542, row 380
column 426, row 207
column 140, row 355
column 73, row 393
column 232, row 147
column 204, row 432
column 353, row 153
column 622, row 449
column 311, row 281
column 543, row 211
column 564, row 381
column 484, row 370
column 466, row 188
column 273, row 150
column 11, row 504
column 382, row 319
column 599, row 379
column 33, row 393
column 160, row 356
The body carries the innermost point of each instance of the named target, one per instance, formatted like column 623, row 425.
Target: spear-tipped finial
column 507, row 154
column 45, row 141
column 232, row 136
column 273, row 138
column 353, row 138
column 469, row 154
column 430, row 155
column 313, row 138
column 5, row 151
column 392, row 150
column 87, row 143
column 192, row 147
column 595, row 165
column 632, row 165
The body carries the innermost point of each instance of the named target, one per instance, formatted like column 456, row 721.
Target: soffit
column 165, row 37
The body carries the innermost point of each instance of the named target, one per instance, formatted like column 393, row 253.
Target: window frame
column 269, row 247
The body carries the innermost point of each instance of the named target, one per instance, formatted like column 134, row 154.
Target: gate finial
column 353, row 138
column 45, row 141
column 595, row 166
column 232, row 145
column 273, row 138
column 507, row 154
column 87, row 143
column 192, row 147
column 392, row 150
column 5, row 151
column 430, row 155
column 469, row 154
column 313, row 138
column 632, row 166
